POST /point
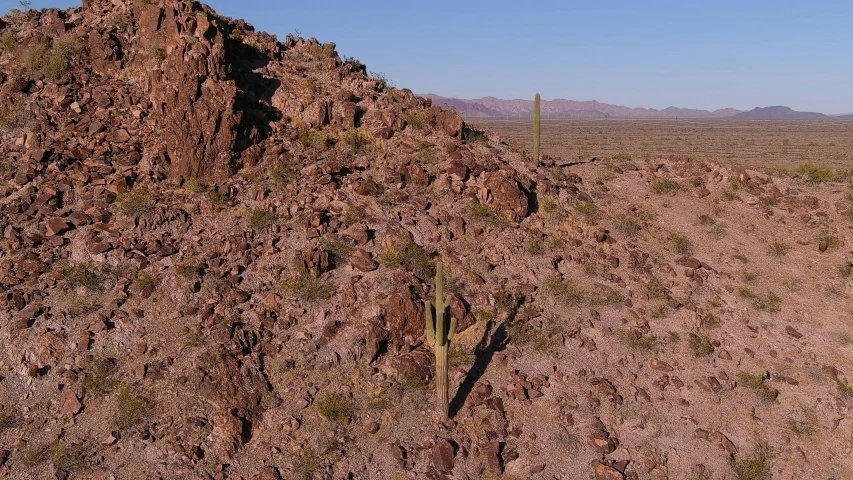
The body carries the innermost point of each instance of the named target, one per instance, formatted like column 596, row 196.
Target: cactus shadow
column 486, row 349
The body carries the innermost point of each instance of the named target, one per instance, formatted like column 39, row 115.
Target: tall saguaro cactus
column 439, row 336
column 536, row 129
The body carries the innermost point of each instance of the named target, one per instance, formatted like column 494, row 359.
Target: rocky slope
column 216, row 248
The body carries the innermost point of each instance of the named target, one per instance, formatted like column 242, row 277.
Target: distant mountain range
column 779, row 113
column 491, row 107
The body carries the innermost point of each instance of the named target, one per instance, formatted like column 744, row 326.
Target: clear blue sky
column 655, row 54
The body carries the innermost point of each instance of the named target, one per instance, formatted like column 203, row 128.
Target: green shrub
column 355, row 65
column 89, row 275
column 844, row 388
column 426, row 154
column 187, row 269
column 136, row 202
column 415, row 118
column 587, row 209
column 260, row 218
column 756, row 383
column 282, row 174
column 804, row 424
column 8, row 42
column 68, row 458
column 665, row 186
column 308, row 286
column 313, row 139
column 122, row 21
column 640, row 340
column 131, row 408
column 336, row 408
column 407, row 254
column 52, row 60
column 158, row 52
column 377, row 75
column 701, row 345
column 535, row 245
column 12, row 115
column 217, row 197
column 339, row 249
column 143, row 280
column 482, row 212
column 521, row 333
column 356, row 139
column 194, row 186
column 627, row 225
column 818, row 172
column 768, row 201
column 352, row 216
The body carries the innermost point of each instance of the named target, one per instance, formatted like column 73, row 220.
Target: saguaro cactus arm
column 430, row 323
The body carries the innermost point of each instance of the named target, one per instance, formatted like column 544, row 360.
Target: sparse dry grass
column 641, row 340
column 99, row 376
column 755, row 465
column 627, row 225
column 767, row 301
column 483, row 212
column 680, row 243
column 778, row 248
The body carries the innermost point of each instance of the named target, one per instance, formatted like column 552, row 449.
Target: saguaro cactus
column 536, row 129
column 439, row 336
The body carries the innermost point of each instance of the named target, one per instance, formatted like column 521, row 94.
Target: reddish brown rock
column 508, row 196
column 70, row 405
column 447, row 120
column 660, row 365
column 605, row 472
column 118, row 136
column 458, row 170
column 268, row 473
column 56, row 226
column 793, row 332
column 443, row 456
column 363, row 260
column 404, row 314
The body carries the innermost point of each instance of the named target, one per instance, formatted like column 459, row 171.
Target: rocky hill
column 491, row 107
column 216, row 248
